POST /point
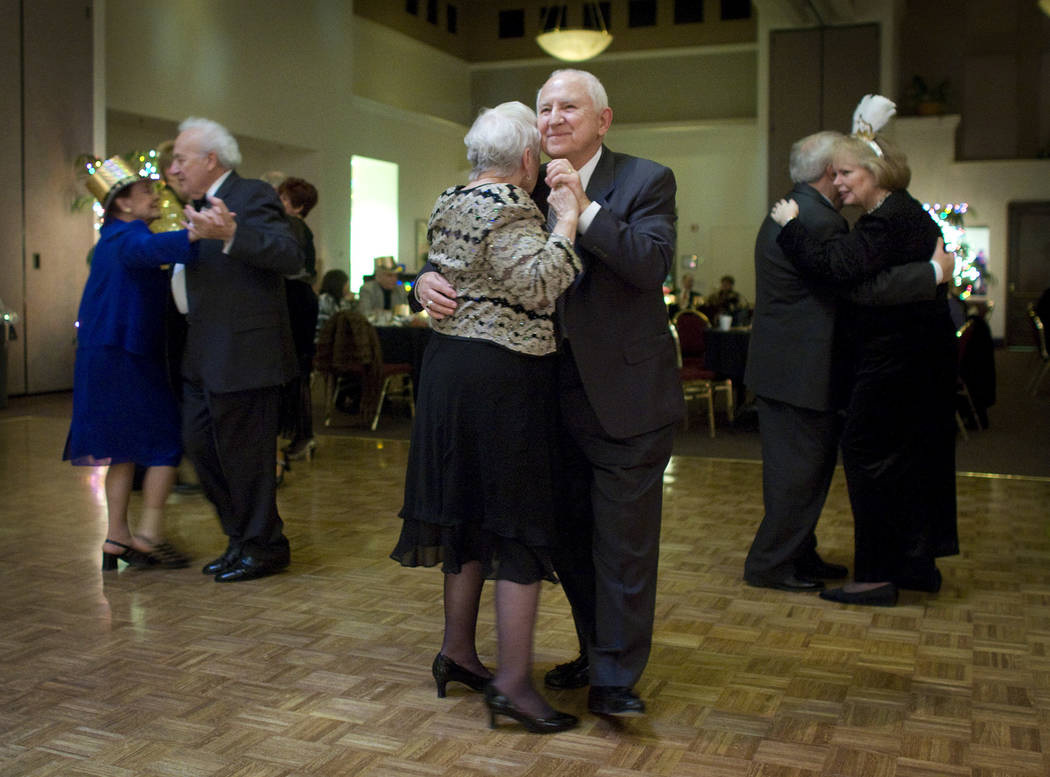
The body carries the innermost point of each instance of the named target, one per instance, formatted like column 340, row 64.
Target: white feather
column 872, row 113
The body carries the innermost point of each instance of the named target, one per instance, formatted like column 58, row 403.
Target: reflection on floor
column 324, row 670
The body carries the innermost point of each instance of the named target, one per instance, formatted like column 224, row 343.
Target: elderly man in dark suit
column 794, row 370
column 620, row 395
column 239, row 347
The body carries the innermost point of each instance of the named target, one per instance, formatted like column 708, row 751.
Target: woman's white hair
column 212, row 136
column 498, row 138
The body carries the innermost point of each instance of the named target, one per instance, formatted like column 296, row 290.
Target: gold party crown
column 106, row 179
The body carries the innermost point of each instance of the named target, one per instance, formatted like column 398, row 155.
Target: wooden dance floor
column 324, row 670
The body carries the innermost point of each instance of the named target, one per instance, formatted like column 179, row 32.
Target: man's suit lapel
column 224, row 190
column 603, row 178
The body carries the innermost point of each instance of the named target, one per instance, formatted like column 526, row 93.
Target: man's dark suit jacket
column 614, row 314
column 791, row 356
column 239, row 335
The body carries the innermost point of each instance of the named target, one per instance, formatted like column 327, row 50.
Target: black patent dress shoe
column 786, row 583
column 499, row 704
column 565, row 677
column 883, row 596
column 445, row 670
column 819, row 569
column 614, row 700
column 249, row 567
column 222, row 563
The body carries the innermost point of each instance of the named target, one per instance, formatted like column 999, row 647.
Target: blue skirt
column 123, row 410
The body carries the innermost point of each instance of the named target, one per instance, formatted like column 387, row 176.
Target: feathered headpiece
column 871, row 115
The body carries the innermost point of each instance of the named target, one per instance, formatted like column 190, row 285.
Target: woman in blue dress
column 124, row 410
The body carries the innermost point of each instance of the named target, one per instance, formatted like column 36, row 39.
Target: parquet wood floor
column 323, row 671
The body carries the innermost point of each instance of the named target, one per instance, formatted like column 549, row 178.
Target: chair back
column 677, row 345
column 690, row 325
column 964, row 334
column 348, row 343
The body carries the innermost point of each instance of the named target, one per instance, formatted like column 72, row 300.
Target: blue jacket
column 125, row 297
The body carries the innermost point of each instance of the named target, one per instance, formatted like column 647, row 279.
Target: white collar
column 588, row 169
column 217, row 183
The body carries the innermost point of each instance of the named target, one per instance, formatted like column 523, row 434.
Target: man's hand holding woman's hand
column 561, row 173
column 213, row 223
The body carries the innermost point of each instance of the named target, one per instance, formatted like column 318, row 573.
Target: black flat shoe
column 445, row 670
column 130, row 556
column 566, row 677
column 790, row 583
column 883, row 596
column 614, row 700
column 499, row 704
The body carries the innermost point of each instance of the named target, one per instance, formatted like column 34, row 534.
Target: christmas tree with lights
column 971, row 267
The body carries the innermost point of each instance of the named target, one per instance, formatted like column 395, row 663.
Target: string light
column 969, row 272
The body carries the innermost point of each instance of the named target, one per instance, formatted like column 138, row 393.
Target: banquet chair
column 694, row 385
column 349, row 345
column 1039, row 333
column 690, row 325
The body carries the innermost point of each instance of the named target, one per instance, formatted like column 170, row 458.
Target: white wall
column 720, row 170
column 280, row 76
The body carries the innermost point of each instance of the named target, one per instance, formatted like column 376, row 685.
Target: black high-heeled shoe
column 445, row 670
column 499, row 704
column 167, row 555
column 131, row 556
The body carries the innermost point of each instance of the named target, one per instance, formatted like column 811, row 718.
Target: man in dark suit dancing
column 792, row 367
column 239, row 347
column 620, row 395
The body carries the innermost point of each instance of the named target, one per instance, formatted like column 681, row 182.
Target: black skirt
column 479, row 484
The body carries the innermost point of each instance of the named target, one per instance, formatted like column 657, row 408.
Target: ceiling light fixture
column 576, row 44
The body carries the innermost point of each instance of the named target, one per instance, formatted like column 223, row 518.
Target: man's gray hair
column 498, row 138
column 212, row 136
column 593, row 85
column 811, row 156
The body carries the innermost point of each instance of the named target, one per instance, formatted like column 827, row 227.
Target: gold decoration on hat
column 106, row 179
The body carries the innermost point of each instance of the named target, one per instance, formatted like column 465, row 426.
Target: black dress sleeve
column 844, row 259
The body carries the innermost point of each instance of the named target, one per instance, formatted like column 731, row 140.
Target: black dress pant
column 799, row 452
column 231, row 439
column 611, row 496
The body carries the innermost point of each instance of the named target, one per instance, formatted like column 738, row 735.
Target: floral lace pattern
column 490, row 243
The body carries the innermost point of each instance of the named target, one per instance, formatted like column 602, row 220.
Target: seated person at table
column 686, row 297
column 725, row 300
column 383, row 292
